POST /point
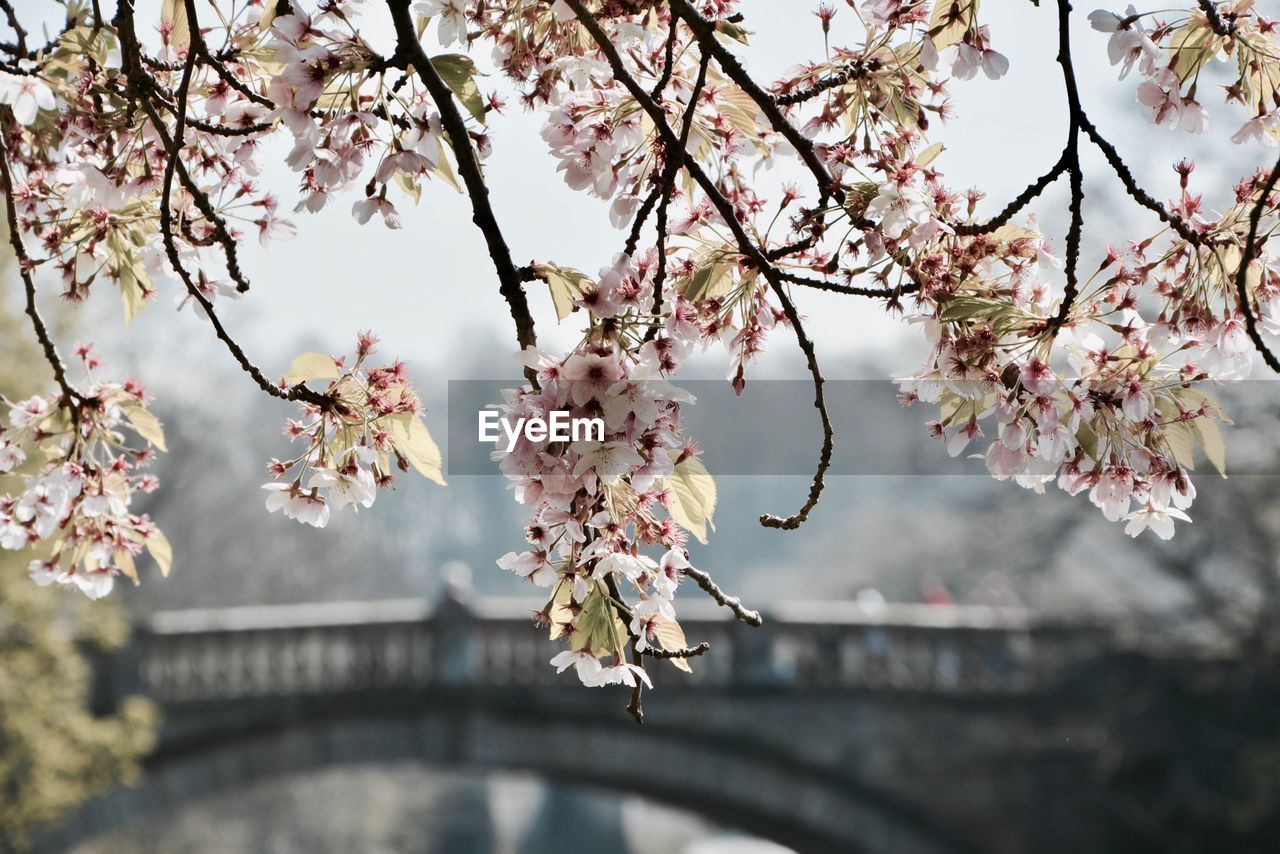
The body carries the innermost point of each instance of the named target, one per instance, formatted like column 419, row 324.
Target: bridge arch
column 753, row 789
column 776, row 733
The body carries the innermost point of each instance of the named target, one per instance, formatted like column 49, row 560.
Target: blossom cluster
column 597, row 505
column 1171, row 56
column 365, row 426
column 77, row 472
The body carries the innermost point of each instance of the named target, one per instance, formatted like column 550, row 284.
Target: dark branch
column 1220, row 26
column 727, row 213
column 455, row 127
column 689, row 652
column 852, row 71
column 1251, row 248
column 70, row 395
column 1032, row 192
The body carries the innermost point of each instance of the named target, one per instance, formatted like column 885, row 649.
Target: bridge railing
column 335, row 648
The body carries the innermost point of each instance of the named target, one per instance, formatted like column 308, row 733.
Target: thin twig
column 173, row 146
column 72, row 397
column 705, row 32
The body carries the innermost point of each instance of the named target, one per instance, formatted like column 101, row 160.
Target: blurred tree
column 54, row 752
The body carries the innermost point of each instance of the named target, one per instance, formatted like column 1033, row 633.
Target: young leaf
column 124, row 562
column 410, row 437
column 595, row 625
column 930, row 154
column 566, row 285
column 145, row 424
column 311, row 366
column 710, row 280
column 133, row 290
column 1178, row 435
column 671, row 636
column 173, row 16
column 1209, row 434
column 693, row 497
column 951, row 20
column 459, row 73
column 161, row 551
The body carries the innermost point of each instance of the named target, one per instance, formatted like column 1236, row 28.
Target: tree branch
column 733, row 603
column 704, row 31
column 71, row 396
column 1242, row 274
column 689, row 652
column 748, row 248
column 1222, row 27
column 173, row 147
column 455, row 127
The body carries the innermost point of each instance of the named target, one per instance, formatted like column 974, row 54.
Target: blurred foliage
column 54, row 752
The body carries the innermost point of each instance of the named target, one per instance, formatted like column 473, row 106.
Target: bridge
column 832, row 728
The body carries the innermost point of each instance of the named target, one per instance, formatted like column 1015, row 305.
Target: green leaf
column 459, row 74
column 411, row 439
column 558, row 607
column 1179, row 437
column 1191, row 46
column 1087, row 439
column 732, row 30
column 145, row 424
column 311, row 366
column 270, row 9
column 693, row 497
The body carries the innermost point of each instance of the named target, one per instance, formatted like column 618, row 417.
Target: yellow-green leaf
column 145, row 424
column 444, row 169
column 173, row 14
column 133, row 290
column 1179, row 437
column 950, row 21
column 124, row 562
column 1209, row 434
column 708, row 281
column 597, row 626
column 671, row 636
column 161, row 551
column 459, row 74
column 566, row 285
column 270, row 8
column 930, row 154
column 410, row 437
column 693, row 497
column 311, row 366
